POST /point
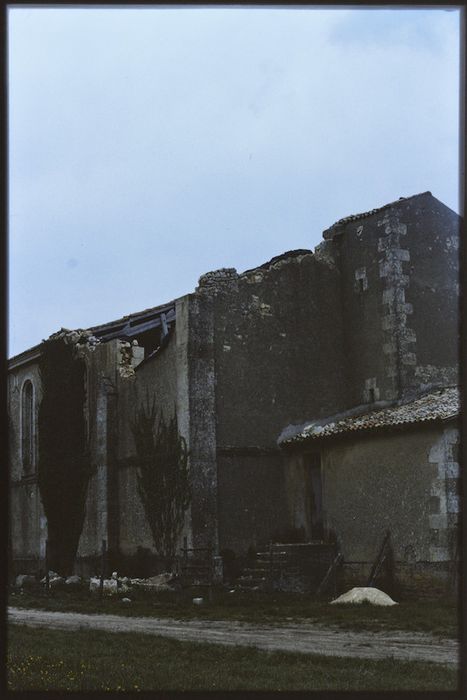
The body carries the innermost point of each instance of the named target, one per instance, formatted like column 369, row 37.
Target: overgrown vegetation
column 163, row 476
column 88, row 660
column 64, row 465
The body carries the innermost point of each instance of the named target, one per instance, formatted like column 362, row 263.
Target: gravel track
column 306, row 638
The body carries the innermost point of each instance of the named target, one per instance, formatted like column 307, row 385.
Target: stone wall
column 251, row 504
column 267, row 350
column 154, row 380
column 302, row 337
column 278, row 349
column 308, row 335
column 444, row 496
column 202, row 420
column 101, row 375
column 27, row 521
column 400, row 280
column 16, row 381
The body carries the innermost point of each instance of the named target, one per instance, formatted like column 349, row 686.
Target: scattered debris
column 122, row 584
column 55, row 580
column 110, row 585
column 162, row 582
column 73, row 581
column 125, row 366
column 365, row 595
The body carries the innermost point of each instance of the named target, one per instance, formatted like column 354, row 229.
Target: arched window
column 27, row 426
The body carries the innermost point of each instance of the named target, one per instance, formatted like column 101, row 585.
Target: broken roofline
column 124, row 327
column 329, row 232
column 131, row 324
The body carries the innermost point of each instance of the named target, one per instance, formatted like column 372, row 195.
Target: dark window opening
column 372, row 395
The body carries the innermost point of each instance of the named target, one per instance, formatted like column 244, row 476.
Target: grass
column 88, row 660
column 439, row 618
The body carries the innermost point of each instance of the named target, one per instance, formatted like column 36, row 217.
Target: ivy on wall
column 64, row 463
column 163, row 475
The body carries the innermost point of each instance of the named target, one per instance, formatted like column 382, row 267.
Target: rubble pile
column 80, row 336
column 125, row 366
column 364, row 595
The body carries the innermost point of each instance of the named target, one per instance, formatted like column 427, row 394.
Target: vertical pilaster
column 398, row 339
column 183, row 390
column 444, row 497
column 202, row 421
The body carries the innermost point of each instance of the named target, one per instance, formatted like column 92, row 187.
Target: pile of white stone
column 364, row 595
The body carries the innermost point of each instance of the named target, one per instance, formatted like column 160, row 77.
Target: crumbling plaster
column 380, row 482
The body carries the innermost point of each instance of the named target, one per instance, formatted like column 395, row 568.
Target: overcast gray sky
column 148, row 146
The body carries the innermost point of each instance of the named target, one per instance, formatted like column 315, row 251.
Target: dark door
column 316, row 496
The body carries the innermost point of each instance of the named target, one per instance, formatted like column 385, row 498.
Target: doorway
column 315, row 495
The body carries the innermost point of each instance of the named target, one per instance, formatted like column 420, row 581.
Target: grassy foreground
column 89, row 660
column 439, row 618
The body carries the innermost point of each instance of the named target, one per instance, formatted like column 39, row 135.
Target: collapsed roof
column 132, row 325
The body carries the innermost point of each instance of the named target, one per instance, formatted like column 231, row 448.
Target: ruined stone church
column 317, row 395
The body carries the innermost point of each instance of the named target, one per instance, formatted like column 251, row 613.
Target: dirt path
column 299, row 637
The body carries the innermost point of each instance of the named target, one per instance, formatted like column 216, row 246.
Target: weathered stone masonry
column 308, row 335
column 444, row 496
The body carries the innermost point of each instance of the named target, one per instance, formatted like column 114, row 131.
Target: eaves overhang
column 25, row 358
column 434, row 407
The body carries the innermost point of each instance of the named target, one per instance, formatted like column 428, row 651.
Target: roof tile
column 439, row 405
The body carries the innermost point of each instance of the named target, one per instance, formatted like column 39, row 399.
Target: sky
column 150, row 145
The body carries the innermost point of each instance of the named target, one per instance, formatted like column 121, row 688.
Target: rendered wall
column 156, row 380
column 405, row 481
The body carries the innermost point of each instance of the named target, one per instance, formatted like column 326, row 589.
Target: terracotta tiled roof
column 439, row 405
